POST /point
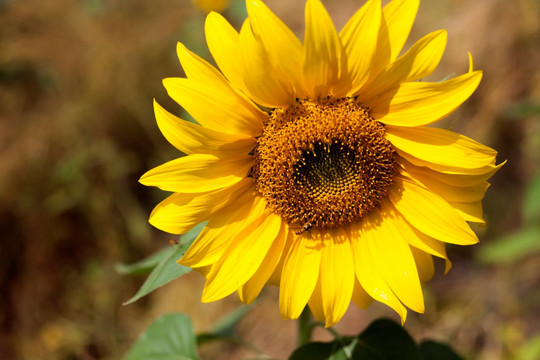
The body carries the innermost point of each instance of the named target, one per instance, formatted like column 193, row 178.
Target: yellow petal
column 323, row 57
column 467, row 176
column 424, row 264
column 470, row 211
column 420, row 103
column 421, row 241
column 393, row 258
column 180, row 212
column 203, row 270
column 222, row 41
column 299, row 276
column 192, row 138
column 276, row 275
column 265, row 83
column 198, row 173
column 442, row 147
column 423, row 57
column 315, row 302
column 244, row 254
column 399, row 17
column 214, row 239
column 360, row 41
column 360, row 297
column 337, row 275
column 418, row 239
column 216, row 107
column 430, row 214
column 367, row 271
column 451, row 179
column 251, row 289
column 280, row 43
column 198, row 69
column 451, row 193
column 419, row 61
column 396, row 22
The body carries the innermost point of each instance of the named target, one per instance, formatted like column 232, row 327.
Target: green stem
column 305, row 327
column 334, row 332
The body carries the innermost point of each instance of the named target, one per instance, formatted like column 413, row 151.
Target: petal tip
column 144, row 179
column 470, row 61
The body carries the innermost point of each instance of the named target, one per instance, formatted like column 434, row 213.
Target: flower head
column 313, row 163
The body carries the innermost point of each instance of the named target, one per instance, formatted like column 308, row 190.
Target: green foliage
column 237, row 11
column 225, row 328
column 531, row 350
column 382, row 340
column 526, row 240
column 375, row 342
column 531, row 201
column 336, row 350
column 166, row 269
column 433, row 350
column 144, row 266
column 511, row 247
column 170, row 337
column 522, row 109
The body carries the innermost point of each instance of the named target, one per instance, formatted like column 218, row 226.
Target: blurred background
column 77, row 79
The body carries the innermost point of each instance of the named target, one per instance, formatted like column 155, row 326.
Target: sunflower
column 313, row 164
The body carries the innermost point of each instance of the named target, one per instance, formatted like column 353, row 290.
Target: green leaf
column 144, row 266
column 335, row 350
column 168, row 269
column 225, row 327
column 193, row 233
column 531, row 203
column 385, row 339
column 511, row 247
column 521, row 110
column 382, row 340
column 238, row 11
column 227, row 324
column 531, row 350
column 431, row 350
column 170, row 337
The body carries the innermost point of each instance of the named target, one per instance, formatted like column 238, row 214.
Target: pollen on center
column 323, row 162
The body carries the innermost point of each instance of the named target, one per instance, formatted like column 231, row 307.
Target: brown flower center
column 323, row 162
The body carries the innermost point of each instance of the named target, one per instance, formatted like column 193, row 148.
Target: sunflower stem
column 334, row 332
column 305, row 327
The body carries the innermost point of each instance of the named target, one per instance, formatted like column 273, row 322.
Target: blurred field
column 77, row 79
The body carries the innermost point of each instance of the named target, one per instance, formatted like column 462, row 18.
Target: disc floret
column 325, row 162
